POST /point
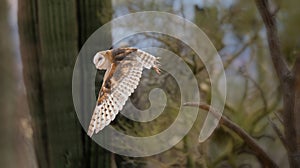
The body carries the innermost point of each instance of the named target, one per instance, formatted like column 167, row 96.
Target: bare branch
column 260, row 153
column 239, row 52
column 263, row 97
column 288, row 82
column 278, row 132
column 280, row 65
column 279, row 117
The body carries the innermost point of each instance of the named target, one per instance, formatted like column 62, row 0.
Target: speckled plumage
column 124, row 68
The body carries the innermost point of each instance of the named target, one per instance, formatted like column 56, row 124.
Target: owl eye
column 97, row 58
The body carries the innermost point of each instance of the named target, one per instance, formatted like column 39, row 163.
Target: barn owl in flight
column 124, row 68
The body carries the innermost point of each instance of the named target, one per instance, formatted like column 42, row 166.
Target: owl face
column 100, row 61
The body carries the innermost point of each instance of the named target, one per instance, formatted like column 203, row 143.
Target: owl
column 124, row 68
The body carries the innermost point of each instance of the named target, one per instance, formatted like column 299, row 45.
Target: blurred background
column 40, row 41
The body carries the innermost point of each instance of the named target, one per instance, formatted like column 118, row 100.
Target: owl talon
column 157, row 70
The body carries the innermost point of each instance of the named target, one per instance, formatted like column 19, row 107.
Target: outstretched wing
column 122, row 79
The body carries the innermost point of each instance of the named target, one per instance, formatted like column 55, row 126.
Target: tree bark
column 51, row 34
column 296, row 71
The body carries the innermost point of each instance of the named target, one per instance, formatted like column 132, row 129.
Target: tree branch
column 288, row 82
column 261, row 92
column 260, row 153
column 278, row 132
column 280, row 65
column 239, row 52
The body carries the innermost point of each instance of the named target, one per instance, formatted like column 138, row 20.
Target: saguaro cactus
column 51, row 34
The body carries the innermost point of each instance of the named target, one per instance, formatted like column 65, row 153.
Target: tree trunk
column 13, row 151
column 8, row 86
column 51, row 34
column 91, row 15
column 296, row 155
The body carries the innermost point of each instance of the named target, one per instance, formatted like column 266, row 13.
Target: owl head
column 100, row 60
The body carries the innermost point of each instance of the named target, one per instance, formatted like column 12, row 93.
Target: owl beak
column 98, row 65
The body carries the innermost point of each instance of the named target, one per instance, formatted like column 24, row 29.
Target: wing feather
column 146, row 59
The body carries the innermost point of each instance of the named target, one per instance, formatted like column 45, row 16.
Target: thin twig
column 279, row 117
column 260, row 153
column 278, row 132
column 263, row 97
column 239, row 52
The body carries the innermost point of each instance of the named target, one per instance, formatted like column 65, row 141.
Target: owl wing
column 123, row 78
